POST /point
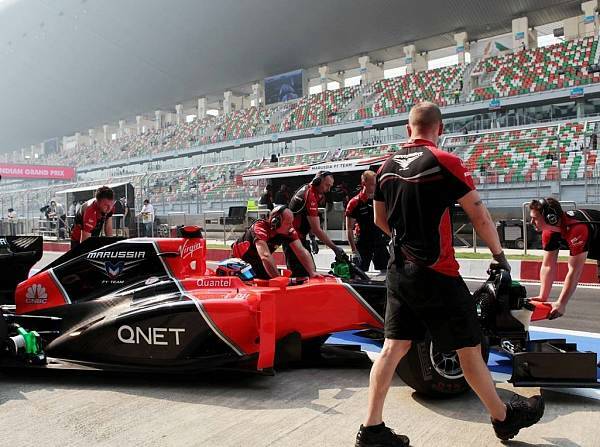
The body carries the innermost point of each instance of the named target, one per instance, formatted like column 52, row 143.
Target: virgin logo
column 190, row 247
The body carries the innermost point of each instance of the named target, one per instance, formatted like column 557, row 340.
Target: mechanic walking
column 257, row 244
column 305, row 205
column 414, row 192
column 575, row 230
column 93, row 217
column 371, row 243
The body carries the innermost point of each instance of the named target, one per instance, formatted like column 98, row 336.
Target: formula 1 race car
column 153, row 305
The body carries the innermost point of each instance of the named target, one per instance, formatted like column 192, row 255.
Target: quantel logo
column 214, row 282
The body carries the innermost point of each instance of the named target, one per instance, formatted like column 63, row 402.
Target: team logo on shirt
column 576, row 241
column 405, row 160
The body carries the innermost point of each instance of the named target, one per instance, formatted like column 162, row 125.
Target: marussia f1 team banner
column 37, row 171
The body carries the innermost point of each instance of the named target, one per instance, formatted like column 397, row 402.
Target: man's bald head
column 425, row 122
column 424, row 115
column 287, row 220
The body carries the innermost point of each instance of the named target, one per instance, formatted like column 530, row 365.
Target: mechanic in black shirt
column 305, row 205
column 258, row 243
column 371, row 243
column 415, row 189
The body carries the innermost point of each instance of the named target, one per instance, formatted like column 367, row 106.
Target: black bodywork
column 151, row 310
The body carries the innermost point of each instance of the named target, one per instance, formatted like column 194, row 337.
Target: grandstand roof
column 75, row 64
column 90, row 187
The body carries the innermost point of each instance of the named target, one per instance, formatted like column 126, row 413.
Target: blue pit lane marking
column 499, row 364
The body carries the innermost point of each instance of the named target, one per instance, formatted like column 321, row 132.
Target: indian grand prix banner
column 36, row 171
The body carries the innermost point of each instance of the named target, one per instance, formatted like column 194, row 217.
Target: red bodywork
column 249, row 317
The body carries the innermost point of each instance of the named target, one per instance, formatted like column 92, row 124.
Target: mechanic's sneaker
column 380, row 436
column 521, row 412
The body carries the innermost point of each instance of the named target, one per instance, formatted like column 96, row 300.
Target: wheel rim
column 446, row 364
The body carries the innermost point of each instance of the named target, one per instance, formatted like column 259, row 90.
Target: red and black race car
column 153, row 305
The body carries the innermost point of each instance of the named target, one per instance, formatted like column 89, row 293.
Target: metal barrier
column 12, row 227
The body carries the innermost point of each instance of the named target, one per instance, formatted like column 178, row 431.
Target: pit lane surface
column 309, row 407
column 295, row 408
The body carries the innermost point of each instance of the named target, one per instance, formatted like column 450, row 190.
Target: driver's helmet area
column 235, row 267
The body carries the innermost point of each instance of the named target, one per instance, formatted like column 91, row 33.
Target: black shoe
column 521, row 412
column 382, row 437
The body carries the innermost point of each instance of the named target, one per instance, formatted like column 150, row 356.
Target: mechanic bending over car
column 263, row 237
column 305, row 205
column 414, row 192
column 371, row 243
column 575, row 230
column 93, row 217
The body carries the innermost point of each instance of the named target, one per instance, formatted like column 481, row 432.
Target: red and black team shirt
column 245, row 247
column 360, row 208
column 90, row 218
column 575, row 234
column 419, row 184
column 305, row 202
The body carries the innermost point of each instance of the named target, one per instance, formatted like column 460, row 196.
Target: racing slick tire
column 435, row 374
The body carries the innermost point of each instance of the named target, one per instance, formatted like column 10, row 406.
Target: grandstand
column 559, row 66
column 528, row 154
column 396, row 95
column 522, row 114
column 565, row 64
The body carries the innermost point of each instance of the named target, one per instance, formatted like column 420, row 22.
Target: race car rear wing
column 17, row 255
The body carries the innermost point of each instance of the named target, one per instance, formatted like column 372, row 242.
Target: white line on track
column 565, row 332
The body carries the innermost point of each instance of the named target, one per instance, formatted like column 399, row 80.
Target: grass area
column 463, row 255
column 218, row 246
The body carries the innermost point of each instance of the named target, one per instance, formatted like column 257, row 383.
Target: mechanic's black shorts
column 375, row 250
column 421, row 299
